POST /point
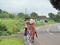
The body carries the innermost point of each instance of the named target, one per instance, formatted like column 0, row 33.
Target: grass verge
column 11, row 41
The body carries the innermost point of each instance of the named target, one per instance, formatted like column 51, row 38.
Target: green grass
column 11, row 41
column 50, row 22
column 44, row 24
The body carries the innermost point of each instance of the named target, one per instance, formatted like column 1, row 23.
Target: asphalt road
column 49, row 35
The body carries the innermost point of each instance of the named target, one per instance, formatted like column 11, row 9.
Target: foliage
column 13, row 25
column 2, row 27
column 4, row 14
column 55, row 17
column 51, row 15
column 3, row 30
column 21, row 15
column 34, row 14
column 11, row 16
column 56, row 4
column 0, row 11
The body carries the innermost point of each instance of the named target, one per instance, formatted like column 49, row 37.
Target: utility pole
column 26, row 15
column 25, row 11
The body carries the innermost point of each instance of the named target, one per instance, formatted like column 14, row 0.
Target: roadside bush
column 4, row 31
column 9, row 33
column 3, row 27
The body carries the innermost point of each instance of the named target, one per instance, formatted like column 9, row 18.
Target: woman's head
column 32, row 21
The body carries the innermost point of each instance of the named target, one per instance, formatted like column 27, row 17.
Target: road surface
column 49, row 35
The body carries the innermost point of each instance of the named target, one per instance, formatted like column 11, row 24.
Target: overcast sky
column 42, row 7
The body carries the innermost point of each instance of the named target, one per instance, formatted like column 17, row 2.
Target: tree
column 0, row 10
column 58, row 17
column 26, row 15
column 11, row 16
column 4, row 14
column 20, row 14
column 55, row 3
column 34, row 14
column 51, row 15
column 58, row 13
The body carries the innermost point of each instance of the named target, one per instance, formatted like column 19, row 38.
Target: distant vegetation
column 55, row 17
column 4, row 14
column 11, row 23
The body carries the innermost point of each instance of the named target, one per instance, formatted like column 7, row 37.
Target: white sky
column 42, row 7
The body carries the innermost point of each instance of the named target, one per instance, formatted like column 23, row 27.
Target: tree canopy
column 56, row 4
column 34, row 14
column 5, row 14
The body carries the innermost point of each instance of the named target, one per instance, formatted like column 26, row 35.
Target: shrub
column 3, row 27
